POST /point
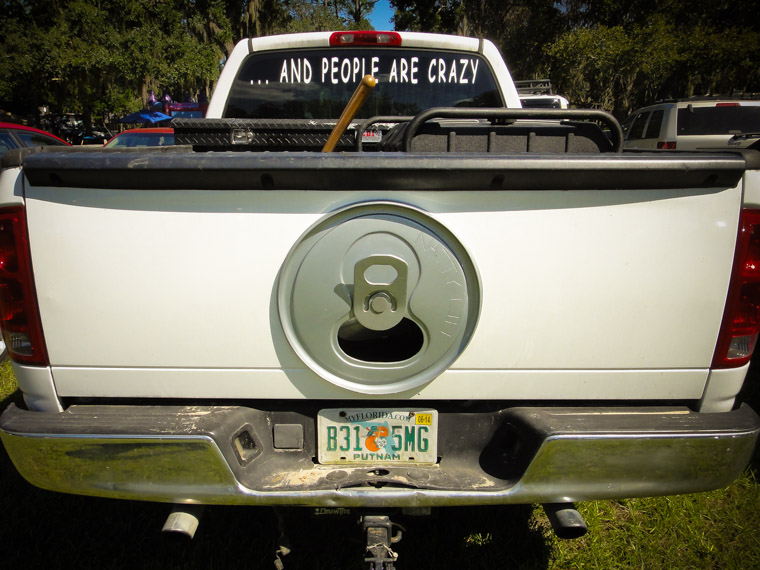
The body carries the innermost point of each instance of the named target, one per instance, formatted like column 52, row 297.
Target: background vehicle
column 142, row 137
column 186, row 110
column 694, row 124
column 539, row 94
column 544, row 102
column 18, row 136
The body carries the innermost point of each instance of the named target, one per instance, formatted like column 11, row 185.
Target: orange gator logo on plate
column 377, row 438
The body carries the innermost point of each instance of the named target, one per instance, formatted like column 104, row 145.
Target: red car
column 142, row 137
column 18, row 136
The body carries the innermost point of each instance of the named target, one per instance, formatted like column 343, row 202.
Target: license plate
column 375, row 436
column 372, row 136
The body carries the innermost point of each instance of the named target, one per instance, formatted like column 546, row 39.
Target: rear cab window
column 317, row 83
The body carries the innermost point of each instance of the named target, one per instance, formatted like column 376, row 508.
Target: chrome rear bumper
column 228, row 455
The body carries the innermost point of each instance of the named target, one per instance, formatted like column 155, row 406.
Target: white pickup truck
column 467, row 303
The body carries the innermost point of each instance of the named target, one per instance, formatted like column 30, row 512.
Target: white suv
column 544, row 102
column 693, row 125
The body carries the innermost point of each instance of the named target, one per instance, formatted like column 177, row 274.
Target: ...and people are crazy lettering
column 349, row 70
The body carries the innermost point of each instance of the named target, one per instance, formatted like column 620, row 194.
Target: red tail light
column 741, row 319
column 365, row 39
column 19, row 315
column 728, row 105
column 666, row 145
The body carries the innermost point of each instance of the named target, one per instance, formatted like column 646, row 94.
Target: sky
column 381, row 16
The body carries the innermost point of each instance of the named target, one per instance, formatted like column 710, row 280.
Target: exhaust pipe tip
column 183, row 521
column 565, row 520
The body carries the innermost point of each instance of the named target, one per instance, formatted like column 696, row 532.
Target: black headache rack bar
column 443, row 129
column 534, row 87
column 503, row 130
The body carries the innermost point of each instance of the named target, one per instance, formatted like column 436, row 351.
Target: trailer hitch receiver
column 378, row 531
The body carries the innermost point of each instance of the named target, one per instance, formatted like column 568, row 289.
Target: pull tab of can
column 380, row 296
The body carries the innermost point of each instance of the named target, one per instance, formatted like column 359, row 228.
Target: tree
column 521, row 29
column 606, row 53
column 441, row 16
column 94, row 57
column 358, row 10
column 307, row 15
column 620, row 56
column 258, row 17
column 325, row 15
column 100, row 56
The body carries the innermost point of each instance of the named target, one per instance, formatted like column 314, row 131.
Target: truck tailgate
column 595, row 278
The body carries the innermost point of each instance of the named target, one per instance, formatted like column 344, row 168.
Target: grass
column 7, row 382
column 715, row 530
column 718, row 529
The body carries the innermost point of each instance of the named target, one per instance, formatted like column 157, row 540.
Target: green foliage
column 521, row 28
column 605, row 53
column 358, row 10
column 326, row 15
column 441, row 16
column 97, row 57
column 258, row 18
column 7, row 381
column 101, row 56
column 307, row 16
column 619, row 56
column 707, row 530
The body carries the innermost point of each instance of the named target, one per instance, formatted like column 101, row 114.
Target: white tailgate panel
column 571, row 281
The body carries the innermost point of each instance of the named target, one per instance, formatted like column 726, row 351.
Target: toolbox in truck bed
column 257, row 134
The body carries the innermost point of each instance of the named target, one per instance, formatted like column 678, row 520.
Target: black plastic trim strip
column 379, row 171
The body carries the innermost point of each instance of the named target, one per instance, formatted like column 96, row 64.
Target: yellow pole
column 356, row 101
